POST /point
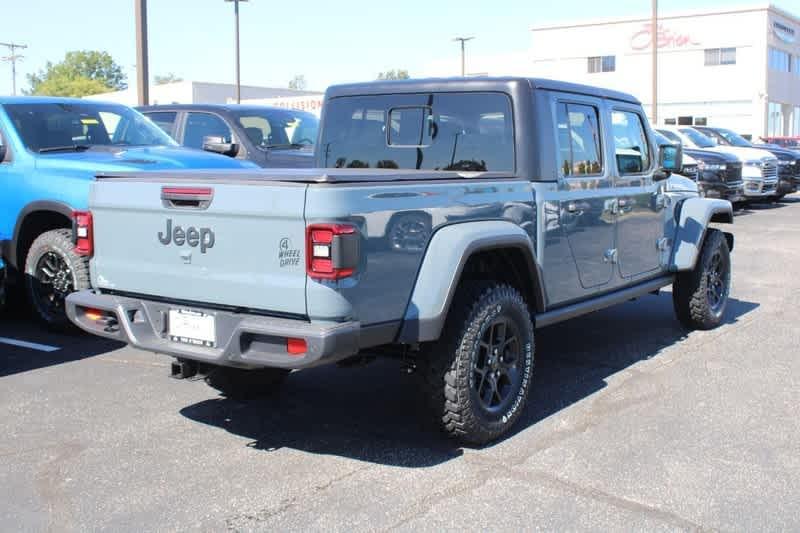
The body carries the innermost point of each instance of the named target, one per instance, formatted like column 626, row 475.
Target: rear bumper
column 242, row 340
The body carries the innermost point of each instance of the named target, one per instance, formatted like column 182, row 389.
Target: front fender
column 447, row 253
column 694, row 217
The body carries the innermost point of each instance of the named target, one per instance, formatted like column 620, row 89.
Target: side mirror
column 670, row 159
column 218, row 145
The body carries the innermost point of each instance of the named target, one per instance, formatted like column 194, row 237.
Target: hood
column 688, row 159
column 781, row 153
column 710, row 156
column 682, row 184
column 744, row 154
column 116, row 158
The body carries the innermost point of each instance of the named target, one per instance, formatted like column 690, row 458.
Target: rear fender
column 694, row 218
column 448, row 251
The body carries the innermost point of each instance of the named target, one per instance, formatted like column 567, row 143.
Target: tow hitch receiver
column 183, row 369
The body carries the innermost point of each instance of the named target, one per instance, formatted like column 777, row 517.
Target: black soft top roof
column 502, row 84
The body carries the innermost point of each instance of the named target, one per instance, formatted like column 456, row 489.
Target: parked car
column 50, row 151
column 2, row 276
column 788, row 160
column 270, row 137
column 250, row 276
column 718, row 175
column 759, row 169
column 792, row 143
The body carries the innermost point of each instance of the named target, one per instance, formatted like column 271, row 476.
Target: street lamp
column 238, row 80
column 463, row 40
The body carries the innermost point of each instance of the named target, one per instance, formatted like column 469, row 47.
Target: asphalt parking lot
column 633, row 424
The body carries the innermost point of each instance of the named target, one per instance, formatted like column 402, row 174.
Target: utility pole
column 654, row 44
column 142, row 67
column 463, row 61
column 238, row 79
column 13, row 58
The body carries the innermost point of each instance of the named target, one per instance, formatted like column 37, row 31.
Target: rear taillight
column 83, row 233
column 332, row 251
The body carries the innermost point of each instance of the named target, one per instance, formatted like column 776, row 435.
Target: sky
column 331, row 41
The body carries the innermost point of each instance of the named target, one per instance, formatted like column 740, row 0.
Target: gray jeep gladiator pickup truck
column 447, row 220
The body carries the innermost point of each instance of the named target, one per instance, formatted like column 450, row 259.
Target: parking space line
column 31, row 345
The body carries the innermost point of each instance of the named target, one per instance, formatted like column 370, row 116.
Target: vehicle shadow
column 70, row 346
column 375, row 413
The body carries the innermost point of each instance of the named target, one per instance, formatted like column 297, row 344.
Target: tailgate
column 230, row 244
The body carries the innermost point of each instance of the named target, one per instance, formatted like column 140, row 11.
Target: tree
column 167, row 78
column 298, row 83
column 394, row 75
column 80, row 73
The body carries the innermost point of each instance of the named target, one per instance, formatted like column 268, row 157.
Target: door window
column 201, row 125
column 630, row 143
column 164, row 120
column 579, row 140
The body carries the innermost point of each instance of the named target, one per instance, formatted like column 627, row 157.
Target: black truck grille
column 690, row 171
column 733, row 175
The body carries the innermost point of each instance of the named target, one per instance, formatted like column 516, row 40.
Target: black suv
column 271, row 137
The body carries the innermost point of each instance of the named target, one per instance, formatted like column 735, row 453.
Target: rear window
column 452, row 131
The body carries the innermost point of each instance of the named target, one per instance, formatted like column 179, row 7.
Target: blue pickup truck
column 50, row 151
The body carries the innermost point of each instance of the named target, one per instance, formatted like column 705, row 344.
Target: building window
column 795, row 122
column 700, row 121
column 780, row 60
column 720, row 56
column 602, row 64
column 775, row 120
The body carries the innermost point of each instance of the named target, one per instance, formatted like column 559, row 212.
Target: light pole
column 463, row 40
column 142, row 66
column 238, row 79
column 654, row 44
column 13, row 58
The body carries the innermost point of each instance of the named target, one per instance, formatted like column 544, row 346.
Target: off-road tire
column 244, row 384
column 57, row 245
column 691, row 291
column 448, row 366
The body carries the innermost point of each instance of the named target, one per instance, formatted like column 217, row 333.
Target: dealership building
column 737, row 68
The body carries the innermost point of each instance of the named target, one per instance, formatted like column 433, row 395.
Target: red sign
column 666, row 38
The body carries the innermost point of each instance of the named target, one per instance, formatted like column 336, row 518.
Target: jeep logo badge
column 203, row 237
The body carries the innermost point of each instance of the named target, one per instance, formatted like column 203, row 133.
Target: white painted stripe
column 31, row 345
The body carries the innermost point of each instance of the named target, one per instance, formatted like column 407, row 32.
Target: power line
column 13, row 58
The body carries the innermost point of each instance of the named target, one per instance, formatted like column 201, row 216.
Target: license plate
column 192, row 327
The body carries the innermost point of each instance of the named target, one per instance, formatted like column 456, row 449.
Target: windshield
column 48, row 126
column 733, row 138
column 669, row 136
column 275, row 128
column 662, row 140
column 697, row 138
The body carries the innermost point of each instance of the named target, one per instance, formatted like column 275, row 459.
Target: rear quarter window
column 446, row 131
